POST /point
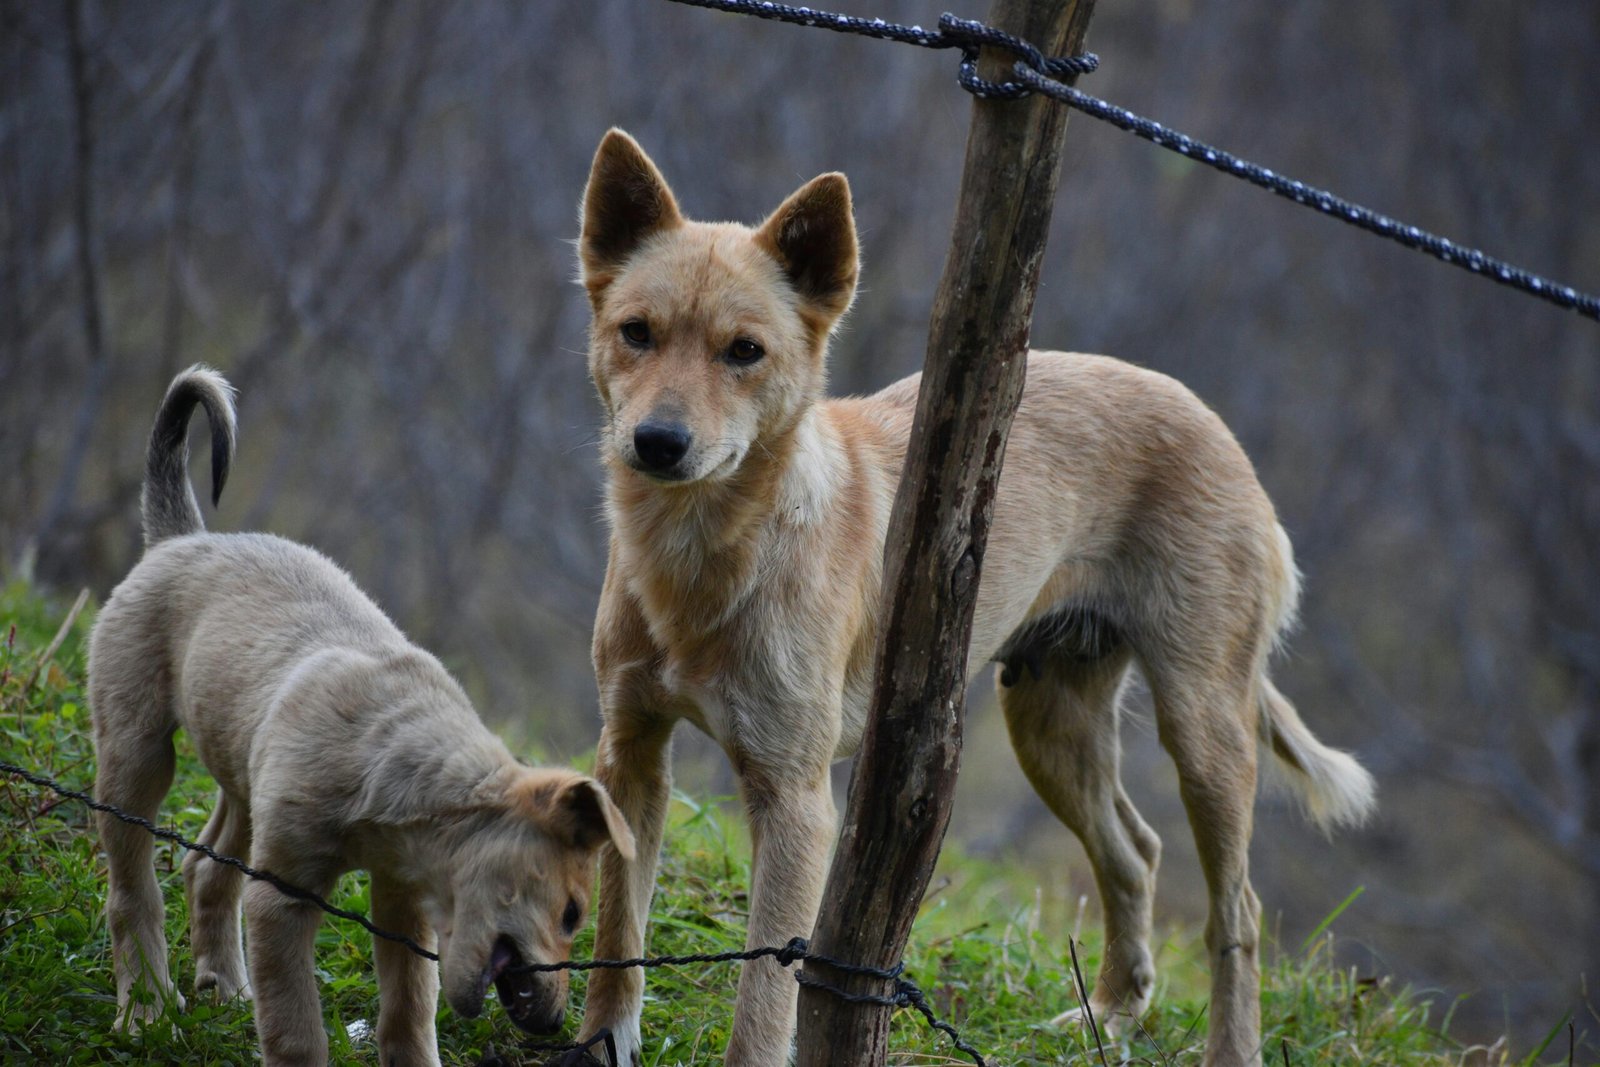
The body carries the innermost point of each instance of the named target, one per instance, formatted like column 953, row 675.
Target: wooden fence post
column 905, row 772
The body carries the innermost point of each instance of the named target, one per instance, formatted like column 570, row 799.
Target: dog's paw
column 424, row 1053
column 222, row 985
column 628, row 1042
column 132, row 1015
column 1111, row 1022
column 131, row 1019
column 627, row 1055
column 1118, row 1004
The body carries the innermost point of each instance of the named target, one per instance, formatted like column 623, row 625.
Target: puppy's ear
column 812, row 235
column 625, row 202
column 582, row 814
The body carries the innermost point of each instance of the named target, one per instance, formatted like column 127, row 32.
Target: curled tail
column 168, row 502
column 1334, row 789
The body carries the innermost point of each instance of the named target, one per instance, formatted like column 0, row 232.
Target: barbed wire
column 1037, row 72
column 906, row 992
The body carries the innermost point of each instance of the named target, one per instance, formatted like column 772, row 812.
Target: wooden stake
column 905, row 772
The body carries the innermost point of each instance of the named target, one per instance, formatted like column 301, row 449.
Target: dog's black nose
column 660, row 444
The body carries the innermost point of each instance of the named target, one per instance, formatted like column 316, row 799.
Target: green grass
column 988, row 948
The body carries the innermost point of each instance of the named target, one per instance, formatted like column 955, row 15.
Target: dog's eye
column 636, row 332
column 570, row 917
column 745, row 350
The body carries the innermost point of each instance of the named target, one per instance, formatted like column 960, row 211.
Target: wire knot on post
column 888, row 974
column 969, row 35
column 796, row 950
column 907, row 994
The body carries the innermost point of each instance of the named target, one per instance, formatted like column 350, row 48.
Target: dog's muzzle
column 660, row 445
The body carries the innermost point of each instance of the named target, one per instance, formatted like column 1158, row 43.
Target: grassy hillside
column 992, row 960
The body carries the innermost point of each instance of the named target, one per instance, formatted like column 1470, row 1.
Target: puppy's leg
column 135, row 773
column 1063, row 725
column 408, row 985
column 213, row 891
column 281, row 932
column 633, row 763
column 1207, row 724
column 791, row 828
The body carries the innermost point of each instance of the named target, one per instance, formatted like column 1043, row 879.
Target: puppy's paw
column 222, row 984
column 420, row 1053
column 145, row 1007
column 629, row 1044
column 131, row 1019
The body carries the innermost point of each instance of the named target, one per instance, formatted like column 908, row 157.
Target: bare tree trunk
column 905, row 774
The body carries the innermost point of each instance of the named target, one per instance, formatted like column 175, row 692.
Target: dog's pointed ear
column 813, row 237
column 585, row 815
column 625, row 202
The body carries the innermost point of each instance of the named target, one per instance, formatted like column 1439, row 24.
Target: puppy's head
column 706, row 336
column 520, row 880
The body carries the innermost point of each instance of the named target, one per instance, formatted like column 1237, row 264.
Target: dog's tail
column 168, row 502
column 1333, row 788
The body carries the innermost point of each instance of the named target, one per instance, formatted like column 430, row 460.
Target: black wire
column 1471, row 259
column 1036, row 72
column 794, row 951
column 575, row 1052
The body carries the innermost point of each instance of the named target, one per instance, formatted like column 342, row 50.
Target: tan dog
column 748, row 519
column 337, row 745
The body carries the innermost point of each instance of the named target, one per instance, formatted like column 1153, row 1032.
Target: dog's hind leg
column 213, row 891
column 408, row 985
column 134, row 774
column 1206, row 715
column 1063, row 725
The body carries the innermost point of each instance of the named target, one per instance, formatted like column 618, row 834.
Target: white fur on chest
column 775, row 680
column 775, row 696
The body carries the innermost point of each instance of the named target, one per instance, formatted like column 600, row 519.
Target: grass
column 989, row 949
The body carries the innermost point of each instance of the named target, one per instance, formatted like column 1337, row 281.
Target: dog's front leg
column 281, row 932
column 408, row 985
column 791, row 829
column 633, row 763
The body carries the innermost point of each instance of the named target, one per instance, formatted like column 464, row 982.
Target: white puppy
column 337, row 745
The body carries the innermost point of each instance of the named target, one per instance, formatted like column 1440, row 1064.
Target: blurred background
column 362, row 212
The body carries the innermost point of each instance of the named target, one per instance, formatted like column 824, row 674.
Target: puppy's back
column 209, row 632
